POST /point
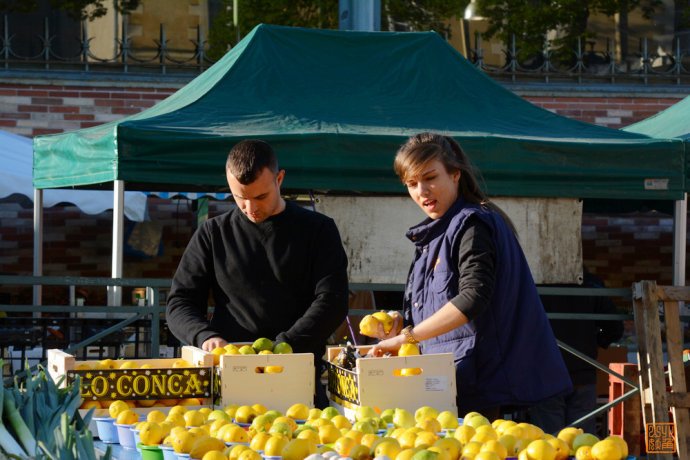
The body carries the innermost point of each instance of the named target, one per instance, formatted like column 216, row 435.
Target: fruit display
column 254, row 432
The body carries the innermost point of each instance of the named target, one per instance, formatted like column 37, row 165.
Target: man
column 274, row 269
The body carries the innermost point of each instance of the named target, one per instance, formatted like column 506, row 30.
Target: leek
column 12, row 415
column 7, row 443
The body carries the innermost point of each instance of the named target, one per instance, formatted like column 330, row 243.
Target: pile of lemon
column 246, row 432
column 261, row 346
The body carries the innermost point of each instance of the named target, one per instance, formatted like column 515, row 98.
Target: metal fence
column 650, row 64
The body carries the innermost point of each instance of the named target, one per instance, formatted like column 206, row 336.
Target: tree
column 401, row 15
column 530, row 21
column 76, row 9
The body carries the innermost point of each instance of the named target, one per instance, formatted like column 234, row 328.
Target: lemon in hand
column 369, row 326
column 385, row 319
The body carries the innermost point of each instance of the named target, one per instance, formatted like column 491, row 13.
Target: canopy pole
column 38, row 247
column 115, row 292
column 680, row 227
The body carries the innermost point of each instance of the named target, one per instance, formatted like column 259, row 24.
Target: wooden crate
column 243, row 380
column 162, row 381
column 378, row 383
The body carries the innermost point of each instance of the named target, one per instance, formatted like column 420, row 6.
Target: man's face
column 260, row 199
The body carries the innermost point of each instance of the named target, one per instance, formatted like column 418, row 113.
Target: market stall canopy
column 15, row 178
column 336, row 105
column 672, row 122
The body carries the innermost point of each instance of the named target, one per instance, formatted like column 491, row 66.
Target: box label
column 106, row 384
column 437, row 383
column 660, row 438
column 343, row 383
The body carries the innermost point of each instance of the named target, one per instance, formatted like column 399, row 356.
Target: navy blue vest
column 508, row 354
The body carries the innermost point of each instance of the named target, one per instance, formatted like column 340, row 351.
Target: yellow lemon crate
column 406, row 382
column 146, row 384
column 275, row 380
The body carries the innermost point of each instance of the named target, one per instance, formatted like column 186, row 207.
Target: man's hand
column 213, row 342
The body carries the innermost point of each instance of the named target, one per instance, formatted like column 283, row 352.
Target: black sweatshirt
column 284, row 278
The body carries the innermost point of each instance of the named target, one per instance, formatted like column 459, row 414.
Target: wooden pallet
column 650, row 302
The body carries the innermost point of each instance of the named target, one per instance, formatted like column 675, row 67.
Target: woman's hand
column 395, row 328
column 391, row 345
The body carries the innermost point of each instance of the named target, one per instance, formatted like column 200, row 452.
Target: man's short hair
column 247, row 158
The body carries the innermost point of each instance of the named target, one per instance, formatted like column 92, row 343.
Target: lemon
column 126, row 365
column 298, row 411
column 328, row 434
column 407, row 371
column 245, row 414
column 178, row 363
column 484, row 433
column 273, row 369
column 106, row 364
column 229, row 348
column 425, row 412
column 311, row 436
column 510, row 442
column 369, row 326
column 340, row 422
column 607, row 450
column 282, row 348
column 495, row 447
column 127, row 417
column 389, row 449
column 194, row 418
column 621, row 443
column 182, row 442
column 281, row 428
column 237, row 434
column 584, row 439
column 541, row 450
column 204, row 445
column 275, row 446
column 408, row 439
column 403, row 418
column 487, row 455
column 247, row 350
column 464, row 433
column 259, row 441
column 249, row 454
column 430, row 424
column 116, row 407
column 151, row 433
column 442, row 454
column 314, row 413
column 450, row 445
column 584, row 453
column 298, row 449
column 236, row 451
column 448, row 420
column 476, row 421
column 385, row 319
column 425, row 438
column 407, row 454
column 214, row 455
column 471, row 449
column 329, row 412
column 216, row 352
column 408, row 349
column 562, row 448
column 262, row 344
column 568, row 434
column 343, row 445
column 425, row 454
column 360, row 452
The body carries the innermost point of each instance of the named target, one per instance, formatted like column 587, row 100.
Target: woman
column 469, row 291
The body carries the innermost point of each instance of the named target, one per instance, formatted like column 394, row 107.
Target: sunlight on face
column 261, row 199
column 435, row 189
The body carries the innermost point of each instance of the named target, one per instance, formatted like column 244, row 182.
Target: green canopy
column 672, row 122
column 336, row 105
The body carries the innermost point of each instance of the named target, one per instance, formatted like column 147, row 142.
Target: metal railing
column 589, row 66
column 159, row 58
column 650, row 64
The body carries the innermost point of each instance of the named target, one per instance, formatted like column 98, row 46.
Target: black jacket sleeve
column 329, row 306
column 476, row 268
column 187, row 306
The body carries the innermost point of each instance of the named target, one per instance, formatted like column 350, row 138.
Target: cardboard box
column 163, row 380
column 244, row 380
column 378, row 383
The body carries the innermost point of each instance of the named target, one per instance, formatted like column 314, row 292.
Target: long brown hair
column 424, row 147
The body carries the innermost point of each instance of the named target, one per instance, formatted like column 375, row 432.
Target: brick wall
column 620, row 248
